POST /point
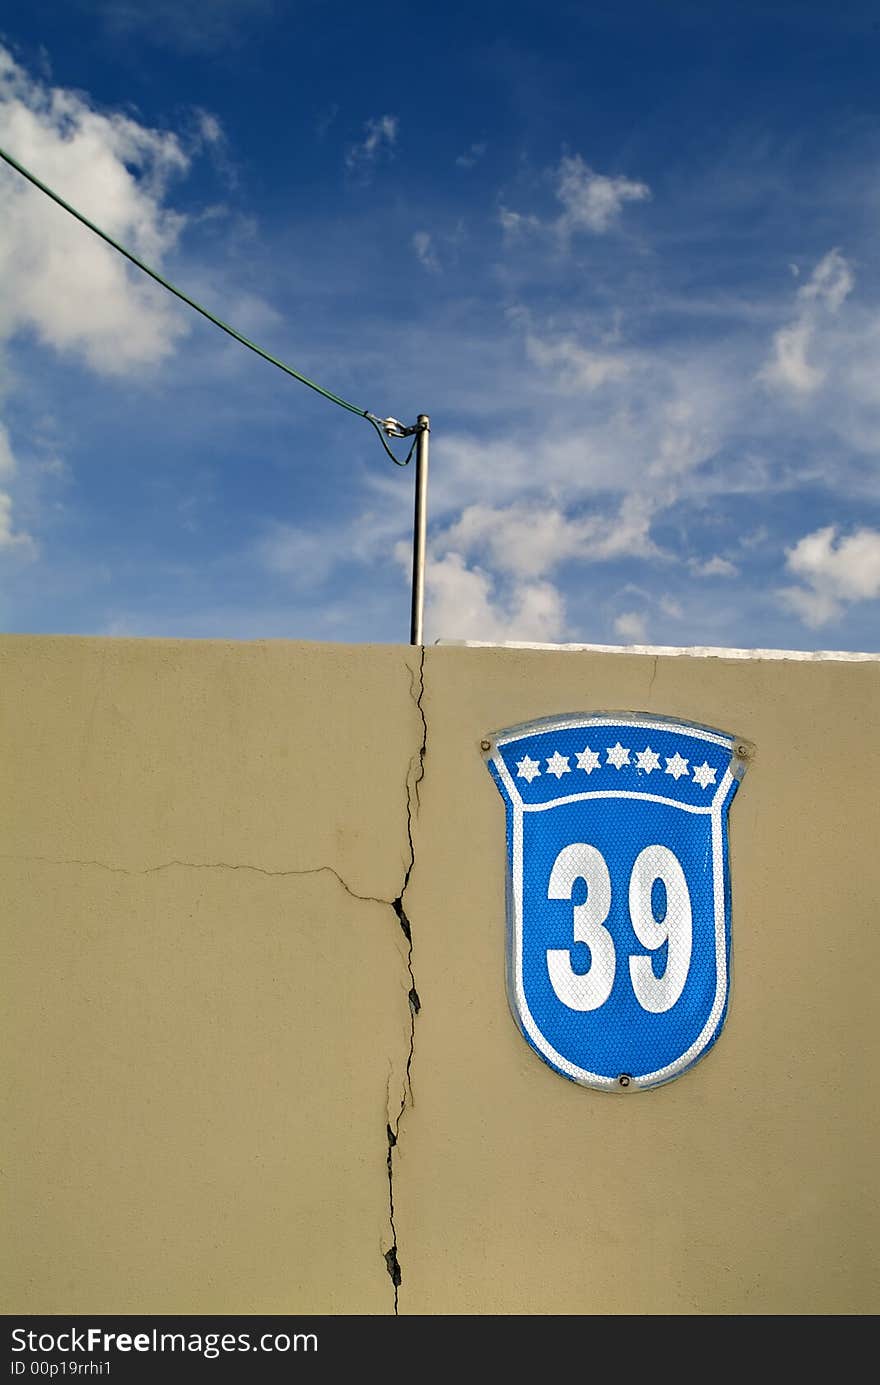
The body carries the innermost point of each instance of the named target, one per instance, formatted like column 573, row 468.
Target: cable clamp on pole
column 393, row 428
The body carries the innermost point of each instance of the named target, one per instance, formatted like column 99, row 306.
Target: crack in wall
column 200, row 865
column 653, row 675
column 414, row 779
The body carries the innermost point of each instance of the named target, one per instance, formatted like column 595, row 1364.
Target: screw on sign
column 618, row 890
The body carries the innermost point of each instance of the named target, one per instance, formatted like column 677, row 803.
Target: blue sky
column 623, row 255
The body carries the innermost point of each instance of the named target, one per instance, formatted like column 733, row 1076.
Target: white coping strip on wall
column 693, row 651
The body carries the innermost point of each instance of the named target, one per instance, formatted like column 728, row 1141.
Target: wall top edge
column 651, row 650
column 690, row 651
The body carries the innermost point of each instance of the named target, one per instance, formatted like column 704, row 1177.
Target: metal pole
column 420, row 522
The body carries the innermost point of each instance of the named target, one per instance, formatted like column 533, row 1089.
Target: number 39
column 590, row 990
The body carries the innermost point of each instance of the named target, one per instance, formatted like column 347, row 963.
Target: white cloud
column 423, row 245
column 207, row 135
column 575, row 367
column 514, row 224
column 464, row 603
column 686, row 435
column 380, row 137
column 835, row 573
column 670, row 607
column 592, row 201
column 209, row 127
column 527, row 539
column 830, row 283
column 7, row 460
column 630, row 626
column 814, row 608
column 60, row 281
column 714, row 567
column 9, row 539
column 850, row 567
column 788, row 367
column 821, row 297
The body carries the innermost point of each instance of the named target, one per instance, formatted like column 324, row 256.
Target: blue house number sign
column 618, row 890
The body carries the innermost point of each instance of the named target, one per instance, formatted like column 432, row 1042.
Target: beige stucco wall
column 208, row 1020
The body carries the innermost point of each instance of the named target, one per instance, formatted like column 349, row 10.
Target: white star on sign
column 676, row 766
column 588, row 760
column 648, row 759
column 704, row 775
column 617, row 756
column 527, row 769
column 558, row 764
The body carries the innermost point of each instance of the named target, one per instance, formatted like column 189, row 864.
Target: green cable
column 252, row 346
